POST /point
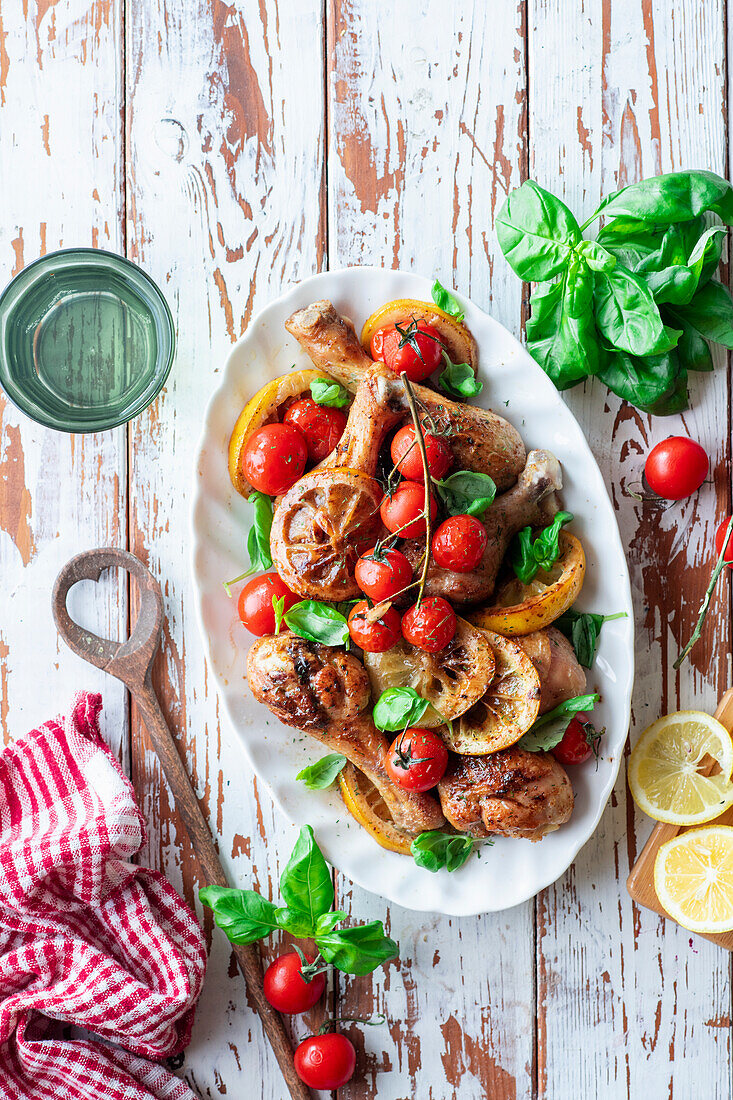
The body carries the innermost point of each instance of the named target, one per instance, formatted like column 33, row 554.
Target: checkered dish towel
column 86, row 938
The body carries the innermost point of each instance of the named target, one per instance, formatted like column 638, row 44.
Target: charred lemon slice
column 506, row 710
column 366, row 805
column 457, row 340
column 523, row 608
column 266, row 407
column 451, row 680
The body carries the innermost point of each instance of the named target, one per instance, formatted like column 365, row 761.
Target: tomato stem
column 420, row 439
column 373, row 1021
column 705, row 605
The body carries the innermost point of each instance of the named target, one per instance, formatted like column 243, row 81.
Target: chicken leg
column 324, row 692
column 560, row 674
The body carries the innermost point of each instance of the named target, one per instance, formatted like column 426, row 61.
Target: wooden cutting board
column 640, row 882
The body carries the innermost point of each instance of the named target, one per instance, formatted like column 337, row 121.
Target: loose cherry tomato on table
column 676, row 467
column 719, row 537
column 431, row 625
column 255, row 602
column 577, row 742
column 417, row 759
column 274, row 458
column 285, row 987
column 321, row 425
column 325, row 1061
column 382, row 572
column 459, row 543
column 403, row 512
column 415, row 348
column 377, row 636
column 406, row 454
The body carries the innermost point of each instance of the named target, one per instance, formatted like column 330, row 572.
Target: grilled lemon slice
column 366, row 805
column 693, row 877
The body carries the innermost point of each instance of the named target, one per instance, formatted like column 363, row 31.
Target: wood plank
column 427, row 131
column 60, row 180
column 225, row 156
column 627, row 1005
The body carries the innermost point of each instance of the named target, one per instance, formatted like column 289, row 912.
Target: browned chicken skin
column 323, row 691
column 561, row 676
column 480, row 440
column 510, row 793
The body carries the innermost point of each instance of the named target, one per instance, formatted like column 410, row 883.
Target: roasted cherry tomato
column 382, row 572
column 404, row 512
column 255, row 602
column 676, row 467
column 275, row 458
column 321, row 425
column 577, row 745
column 459, row 543
column 285, row 987
column 417, row 759
column 416, row 350
column 325, row 1061
column 429, row 626
column 377, row 636
column 406, row 454
column 719, row 536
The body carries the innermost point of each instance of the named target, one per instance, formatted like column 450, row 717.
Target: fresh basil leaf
column 693, row 352
column 536, row 232
column 357, row 950
column 294, row 921
column 435, row 850
column 561, row 333
column 596, row 256
column 328, row 921
column 674, row 197
column 650, row 382
column 528, row 554
column 447, row 302
column 258, row 539
column 458, row 379
column 710, row 314
column 243, row 915
column 627, row 315
column 325, row 391
column 583, row 629
column 675, row 279
column 549, row 729
column 397, row 708
column 317, row 622
column 306, row 883
column 323, row 773
column 466, row 493
column 278, row 606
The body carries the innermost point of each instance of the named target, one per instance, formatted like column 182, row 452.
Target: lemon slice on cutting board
column 668, row 765
column 693, row 877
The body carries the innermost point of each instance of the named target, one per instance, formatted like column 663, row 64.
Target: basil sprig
column 447, row 301
column 317, row 622
column 458, row 379
column 398, row 707
column 529, row 554
column 638, row 306
column 258, row 539
column 307, row 889
column 435, row 850
column 322, row 774
column 325, row 391
column 466, row 493
column 583, row 629
column 549, row 729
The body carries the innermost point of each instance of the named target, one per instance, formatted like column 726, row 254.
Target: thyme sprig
column 705, row 605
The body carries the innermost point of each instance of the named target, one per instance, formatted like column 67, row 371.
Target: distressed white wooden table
column 232, row 149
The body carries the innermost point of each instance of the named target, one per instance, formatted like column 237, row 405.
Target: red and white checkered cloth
column 87, row 938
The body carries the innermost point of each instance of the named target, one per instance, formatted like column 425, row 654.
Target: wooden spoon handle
column 247, row 955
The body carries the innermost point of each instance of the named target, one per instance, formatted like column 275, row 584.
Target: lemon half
column 693, row 877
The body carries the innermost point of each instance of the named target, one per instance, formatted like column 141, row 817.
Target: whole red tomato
column 406, row 454
column 719, row 537
column 417, row 759
column 274, row 458
column 285, row 987
column 256, row 609
column 321, row 425
column 325, row 1061
column 382, row 572
column 676, row 467
column 577, row 742
column 431, row 625
column 404, row 512
column 459, row 543
column 414, row 348
column 377, row 636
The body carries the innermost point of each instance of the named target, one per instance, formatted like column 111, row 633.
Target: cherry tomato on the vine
column 416, row 350
column 406, row 454
column 325, row 1061
column 719, row 537
column 404, row 512
column 321, row 425
column 459, row 543
column 577, row 742
column 255, row 602
column 431, row 625
column 676, row 467
column 417, row 759
column 274, row 458
column 285, row 987
column 382, row 572
column 377, row 636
